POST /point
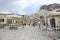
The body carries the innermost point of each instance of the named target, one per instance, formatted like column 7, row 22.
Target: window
column 9, row 21
column 1, row 20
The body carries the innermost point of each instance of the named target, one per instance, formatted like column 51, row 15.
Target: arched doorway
column 42, row 19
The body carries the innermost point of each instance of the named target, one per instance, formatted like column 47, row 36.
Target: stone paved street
column 27, row 33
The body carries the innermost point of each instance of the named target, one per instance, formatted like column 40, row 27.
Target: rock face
column 50, row 7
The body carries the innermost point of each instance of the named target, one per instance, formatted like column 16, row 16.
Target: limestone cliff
column 50, row 7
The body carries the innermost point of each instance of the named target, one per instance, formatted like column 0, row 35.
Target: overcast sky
column 23, row 6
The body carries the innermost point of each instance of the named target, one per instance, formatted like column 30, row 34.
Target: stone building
column 28, row 20
column 50, row 15
column 6, row 19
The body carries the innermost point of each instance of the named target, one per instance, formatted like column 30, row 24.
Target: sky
column 23, row 6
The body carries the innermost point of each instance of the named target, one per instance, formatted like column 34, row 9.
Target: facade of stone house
column 50, row 14
column 54, row 18
column 6, row 19
column 28, row 20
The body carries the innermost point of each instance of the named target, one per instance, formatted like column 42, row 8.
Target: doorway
column 52, row 23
